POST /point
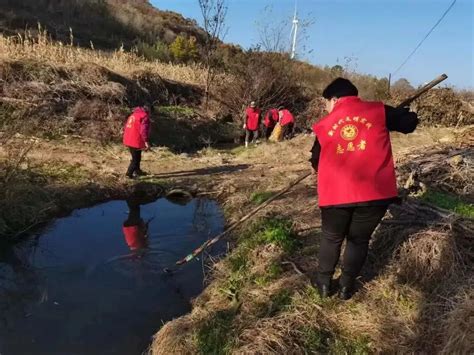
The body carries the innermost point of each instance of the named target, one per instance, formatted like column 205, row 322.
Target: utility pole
column 294, row 33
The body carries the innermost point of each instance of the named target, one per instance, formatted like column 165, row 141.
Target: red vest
column 287, row 117
column 252, row 118
column 271, row 117
column 356, row 162
column 132, row 135
column 135, row 236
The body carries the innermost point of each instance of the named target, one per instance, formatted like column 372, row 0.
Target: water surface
column 89, row 286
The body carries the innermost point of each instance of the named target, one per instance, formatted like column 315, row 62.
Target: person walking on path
column 135, row 137
column 251, row 123
column 352, row 155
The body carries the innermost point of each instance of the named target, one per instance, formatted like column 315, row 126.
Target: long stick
column 210, row 242
column 240, row 221
column 424, row 89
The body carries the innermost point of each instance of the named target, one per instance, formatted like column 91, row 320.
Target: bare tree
column 213, row 14
column 273, row 35
column 274, row 32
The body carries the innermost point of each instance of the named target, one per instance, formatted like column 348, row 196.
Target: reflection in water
column 93, row 283
column 20, row 283
column 134, row 227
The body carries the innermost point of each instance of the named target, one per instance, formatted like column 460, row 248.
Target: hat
column 253, row 104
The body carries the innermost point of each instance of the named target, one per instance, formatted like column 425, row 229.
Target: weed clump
column 449, row 202
column 259, row 197
column 215, row 336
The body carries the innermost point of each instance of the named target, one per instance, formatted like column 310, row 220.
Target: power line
column 427, row 35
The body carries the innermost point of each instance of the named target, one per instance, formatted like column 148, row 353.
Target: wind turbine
column 294, row 33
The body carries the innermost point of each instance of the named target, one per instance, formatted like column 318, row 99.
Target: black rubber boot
column 345, row 292
column 324, row 290
column 346, row 287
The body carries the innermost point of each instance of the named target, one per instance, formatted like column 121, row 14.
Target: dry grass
column 427, row 258
column 459, row 324
column 41, row 48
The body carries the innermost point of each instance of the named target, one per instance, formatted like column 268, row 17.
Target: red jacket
column 252, row 117
column 287, row 117
column 137, row 129
column 356, row 162
column 271, row 117
column 135, row 236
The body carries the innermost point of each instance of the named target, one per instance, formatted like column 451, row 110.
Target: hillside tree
column 213, row 13
column 184, row 49
column 403, row 86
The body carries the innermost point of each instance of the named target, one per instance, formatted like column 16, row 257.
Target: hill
column 105, row 23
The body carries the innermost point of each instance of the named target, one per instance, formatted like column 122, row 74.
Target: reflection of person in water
column 135, row 229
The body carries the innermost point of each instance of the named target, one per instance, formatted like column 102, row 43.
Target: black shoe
column 345, row 292
column 323, row 289
column 131, row 177
column 141, row 173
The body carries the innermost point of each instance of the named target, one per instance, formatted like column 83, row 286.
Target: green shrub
column 214, row 337
column 449, row 202
column 184, row 49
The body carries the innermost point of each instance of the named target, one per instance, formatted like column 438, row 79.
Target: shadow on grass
column 203, row 171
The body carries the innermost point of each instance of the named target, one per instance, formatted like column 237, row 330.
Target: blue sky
column 377, row 34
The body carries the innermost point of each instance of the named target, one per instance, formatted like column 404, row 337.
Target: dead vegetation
column 441, row 107
column 106, row 24
column 39, row 47
column 416, row 289
column 79, row 93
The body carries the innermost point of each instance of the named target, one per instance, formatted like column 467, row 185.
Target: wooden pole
column 423, row 89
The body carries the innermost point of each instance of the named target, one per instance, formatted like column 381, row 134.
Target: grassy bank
column 415, row 293
column 32, row 193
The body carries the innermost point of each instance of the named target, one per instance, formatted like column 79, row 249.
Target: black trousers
column 356, row 225
column 268, row 131
column 288, row 130
column 134, row 166
column 134, row 218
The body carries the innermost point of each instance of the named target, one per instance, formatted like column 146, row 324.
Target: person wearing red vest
column 135, row 229
column 287, row 121
column 352, row 155
column 251, row 123
column 135, row 137
column 270, row 120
